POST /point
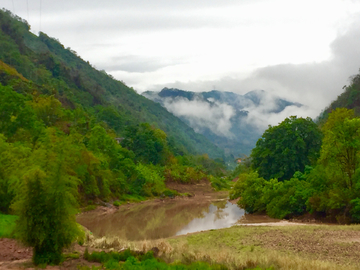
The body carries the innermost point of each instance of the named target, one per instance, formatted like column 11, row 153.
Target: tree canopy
column 284, row 149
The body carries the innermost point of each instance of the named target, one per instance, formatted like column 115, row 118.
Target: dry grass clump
column 277, row 247
column 251, row 259
column 117, row 244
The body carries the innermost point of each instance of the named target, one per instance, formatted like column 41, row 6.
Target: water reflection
column 161, row 220
column 215, row 218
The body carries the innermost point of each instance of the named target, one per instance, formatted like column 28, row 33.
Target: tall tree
column 284, row 149
column 47, row 200
column 341, row 146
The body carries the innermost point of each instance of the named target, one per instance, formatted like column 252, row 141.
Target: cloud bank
column 201, row 114
column 313, row 84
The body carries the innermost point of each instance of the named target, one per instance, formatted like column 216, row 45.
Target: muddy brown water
column 162, row 219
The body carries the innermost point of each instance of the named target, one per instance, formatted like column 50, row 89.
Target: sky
column 304, row 51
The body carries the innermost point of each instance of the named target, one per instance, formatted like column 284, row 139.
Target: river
column 161, row 219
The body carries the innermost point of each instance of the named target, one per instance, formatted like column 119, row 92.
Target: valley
column 94, row 175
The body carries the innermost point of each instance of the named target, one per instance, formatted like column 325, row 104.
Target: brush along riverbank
column 245, row 247
column 239, row 247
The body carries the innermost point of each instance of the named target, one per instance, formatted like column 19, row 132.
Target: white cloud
column 201, row 114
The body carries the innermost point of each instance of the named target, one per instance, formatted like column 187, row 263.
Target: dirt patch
column 11, row 250
column 338, row 246
column 15, row 256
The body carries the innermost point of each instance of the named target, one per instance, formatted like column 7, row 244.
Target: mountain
column 229, row 120
column 72, row 80
column 349, row 99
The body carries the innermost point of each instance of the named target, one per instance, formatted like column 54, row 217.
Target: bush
column 278, row 199
column 249, row 188
column 219, row 183
column 46, row 216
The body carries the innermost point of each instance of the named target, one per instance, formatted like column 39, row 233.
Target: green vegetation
column 284, row 149
column 7, row 225
column 128, row 260
column 72, row 136
column 349, row 99
column 328, row 187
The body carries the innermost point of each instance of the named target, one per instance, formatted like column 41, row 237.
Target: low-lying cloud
column 313, row 84
column 201, row 114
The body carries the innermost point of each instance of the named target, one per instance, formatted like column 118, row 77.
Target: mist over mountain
column 233, row 122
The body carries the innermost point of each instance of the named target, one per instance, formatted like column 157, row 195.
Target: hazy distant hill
column 223, row 117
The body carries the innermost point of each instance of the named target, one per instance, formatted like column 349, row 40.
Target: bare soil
column 15, row 256
column 338, row 246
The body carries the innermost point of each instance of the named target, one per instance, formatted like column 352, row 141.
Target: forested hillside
column 76, row 84
column 231, row 121
column 349, row 99
column 77, row 134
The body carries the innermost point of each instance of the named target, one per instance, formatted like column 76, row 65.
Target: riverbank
column 256, row 240
column 239, row 247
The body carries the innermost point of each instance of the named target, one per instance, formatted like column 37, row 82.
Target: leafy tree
column 14, row 161
column 48, row 109
column 284, row 149
column 47, row 200
column 250, row 188
column 341, row 145
column 337, row 181
column 147, row 143
column 14, row 112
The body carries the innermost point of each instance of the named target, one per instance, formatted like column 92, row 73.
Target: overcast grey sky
column 301, row 50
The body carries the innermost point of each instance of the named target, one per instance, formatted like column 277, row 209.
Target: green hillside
column 77, row 84
column 349, row 99
column 76, row 135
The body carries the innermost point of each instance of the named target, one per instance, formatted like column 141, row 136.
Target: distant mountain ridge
column 221, row 116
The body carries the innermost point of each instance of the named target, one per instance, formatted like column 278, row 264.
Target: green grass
column 126, row 198
column 143, row 261
column 7, row 225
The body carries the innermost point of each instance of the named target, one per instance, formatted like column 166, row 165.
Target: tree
column 15, row 113
column 47, row 200
column 337, row 176
column 148, row 144
column 284, row 149
column 341, row 145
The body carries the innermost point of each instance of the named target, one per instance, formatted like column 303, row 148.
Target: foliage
column 148, row 181
column 61, row 122
column 47, row 201
column 349, row 99
column 7, row 225
column 219, row 183
column 15, row 113
column 75, row 83
column 279, row 199
column 249, row 187
column 136, row 260
column 331, row 188
column 337, row 181
column 284, row 149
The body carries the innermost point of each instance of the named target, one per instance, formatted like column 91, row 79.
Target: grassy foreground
column 288, row 247
column 239, row 247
